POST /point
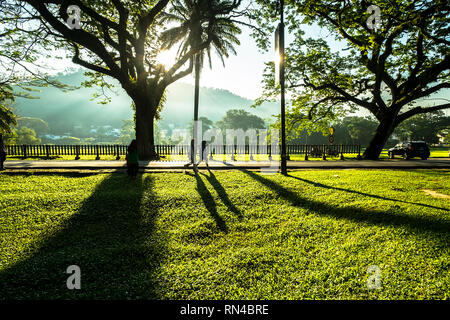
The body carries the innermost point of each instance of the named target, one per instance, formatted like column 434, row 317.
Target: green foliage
column 240, row 119
column 225, row 235
column 127, row 132
column 10, row 138
column 447, row 138
column 38, row 125
column 7, row 117
column 348, row 130
column 26, row 136
column 206, row 124
column 425, row 127
column 355, row 130
column 99, row 81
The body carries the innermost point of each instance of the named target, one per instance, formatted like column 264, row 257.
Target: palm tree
column 202, row 21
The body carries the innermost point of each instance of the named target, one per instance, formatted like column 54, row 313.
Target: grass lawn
column 226, row 235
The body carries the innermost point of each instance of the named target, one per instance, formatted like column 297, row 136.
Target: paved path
column 443, row 163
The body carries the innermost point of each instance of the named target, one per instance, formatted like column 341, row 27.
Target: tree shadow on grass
column 321, row 185
column 111, row 238
column 210, row 203
column 222, row 194
column 416, row 223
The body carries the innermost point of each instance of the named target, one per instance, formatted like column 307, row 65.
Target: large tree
column 387, row 66
column 119, row 39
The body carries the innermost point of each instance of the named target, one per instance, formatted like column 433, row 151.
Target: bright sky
column 241, row 75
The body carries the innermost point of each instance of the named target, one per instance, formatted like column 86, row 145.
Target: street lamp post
column 194, row 142
column 280, row 40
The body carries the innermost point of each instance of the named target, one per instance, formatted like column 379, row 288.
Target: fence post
column 306, row 152
column 269, row 150
column 24, row 151
column 47, row 151
column 359, row 153
column 118, row 150
column 342, row 152
column 324, row 156
column 98, row 154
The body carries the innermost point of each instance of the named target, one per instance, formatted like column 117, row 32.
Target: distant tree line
column 434, row 128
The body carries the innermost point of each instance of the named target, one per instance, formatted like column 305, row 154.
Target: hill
column 65, row 110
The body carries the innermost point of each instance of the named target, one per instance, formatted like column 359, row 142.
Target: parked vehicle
column 410, row 150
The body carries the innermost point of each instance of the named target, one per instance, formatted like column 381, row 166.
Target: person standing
column 204, row 153
column 2, row 153
column 132, row 159
column 192, row 155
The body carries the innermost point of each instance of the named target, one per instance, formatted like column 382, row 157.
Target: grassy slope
column 230, row 235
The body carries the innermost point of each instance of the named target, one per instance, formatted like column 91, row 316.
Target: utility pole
column 282, row 85
column 194, row 142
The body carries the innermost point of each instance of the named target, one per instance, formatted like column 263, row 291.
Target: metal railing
column 48, row 151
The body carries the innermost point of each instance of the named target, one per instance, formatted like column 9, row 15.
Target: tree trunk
column 145, row 118
column 379, row 139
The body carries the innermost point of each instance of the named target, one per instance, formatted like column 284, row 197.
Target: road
column 442, row 163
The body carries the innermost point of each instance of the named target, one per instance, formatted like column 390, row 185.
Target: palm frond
column 202, row 21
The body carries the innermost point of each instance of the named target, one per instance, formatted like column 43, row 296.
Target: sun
column 167, row 58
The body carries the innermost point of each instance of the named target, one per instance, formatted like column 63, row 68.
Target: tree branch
column 420, row 110
column 76, row 59
column 80, row 37
column 367, row 105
